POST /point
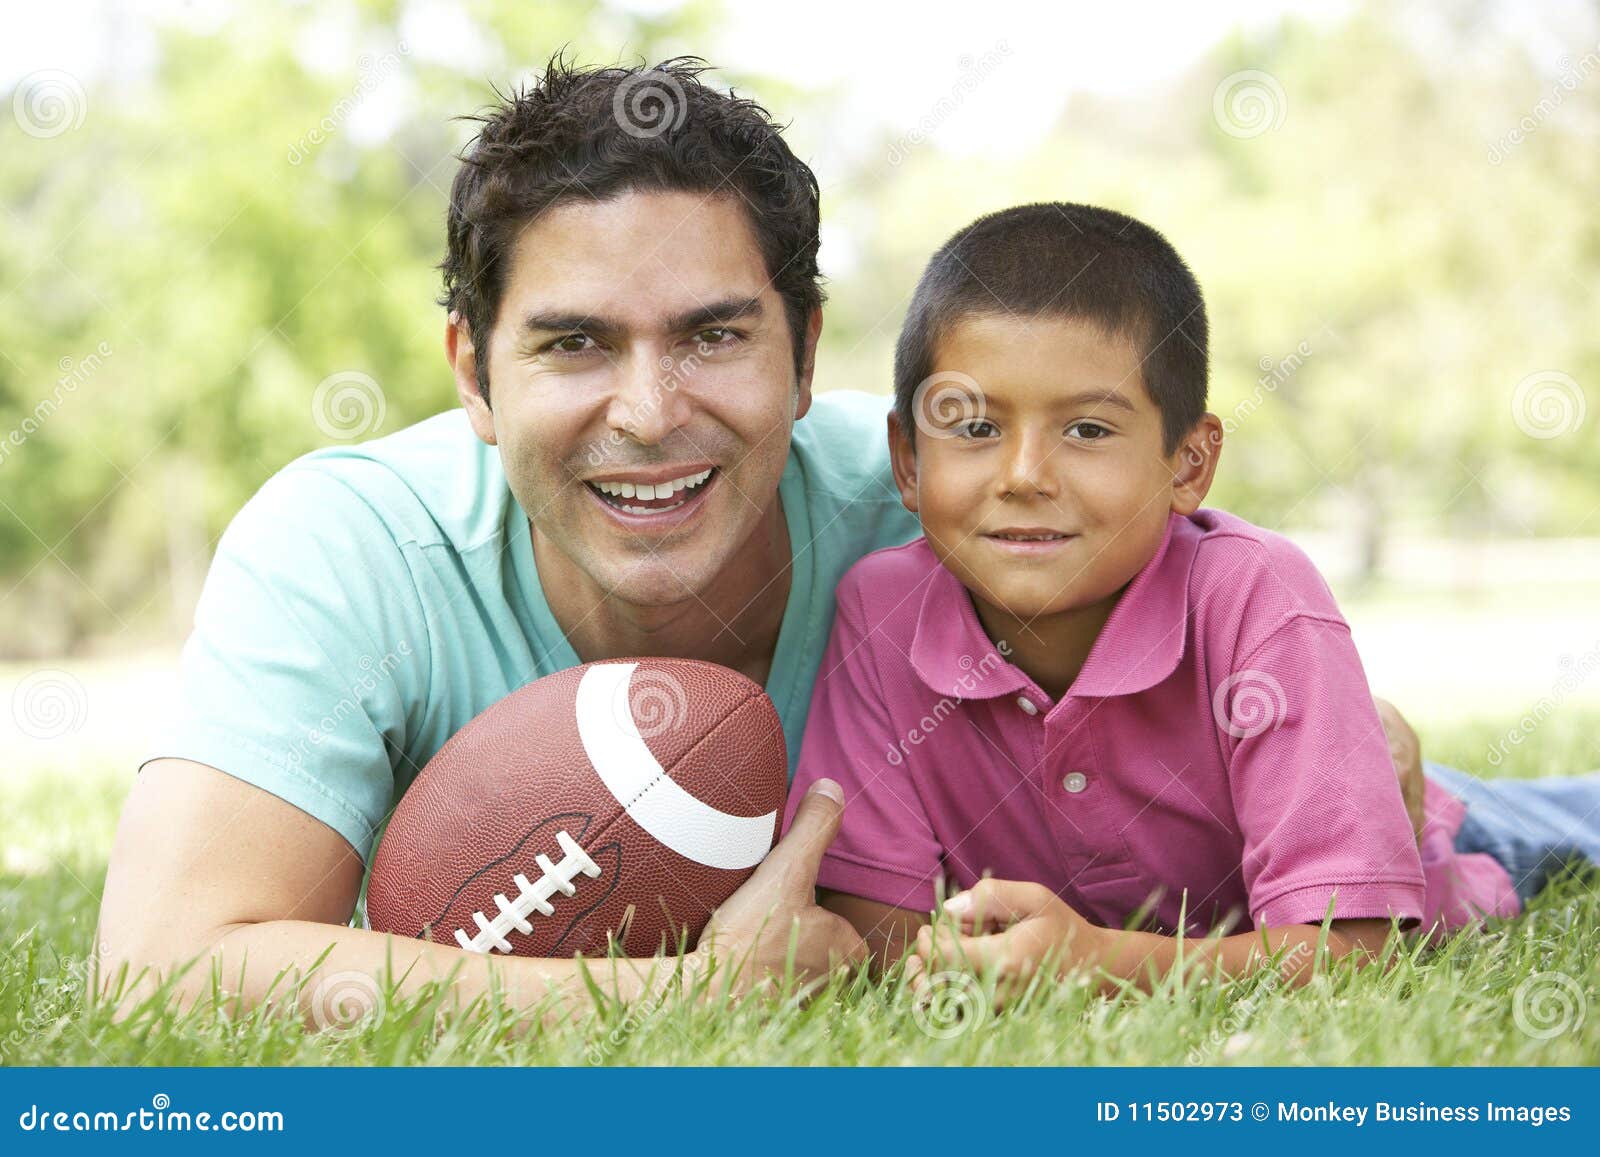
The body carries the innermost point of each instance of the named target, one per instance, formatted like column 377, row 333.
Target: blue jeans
column 1531, row 826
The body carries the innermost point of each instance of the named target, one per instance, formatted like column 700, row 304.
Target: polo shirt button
column 1027, row 705
column 1074, row 781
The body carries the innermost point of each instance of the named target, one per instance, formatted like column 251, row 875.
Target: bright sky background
column 893, row 62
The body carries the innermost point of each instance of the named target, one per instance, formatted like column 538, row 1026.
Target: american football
column 620, row 801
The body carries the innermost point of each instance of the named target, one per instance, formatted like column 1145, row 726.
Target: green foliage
column 232, row 233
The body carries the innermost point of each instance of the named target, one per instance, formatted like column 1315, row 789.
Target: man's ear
column 808, row 364
column 463, row 358
column 1194, row 464
column 903, row 459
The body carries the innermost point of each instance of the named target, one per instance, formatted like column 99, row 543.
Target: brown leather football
column 624, row 798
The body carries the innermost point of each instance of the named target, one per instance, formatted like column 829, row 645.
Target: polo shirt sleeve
column 1313, row 783
column 309, row 655
column 886, row 849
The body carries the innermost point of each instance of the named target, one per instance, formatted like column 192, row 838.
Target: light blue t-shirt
column 372, row 599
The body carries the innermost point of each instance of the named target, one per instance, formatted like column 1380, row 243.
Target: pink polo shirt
column 1217, row 762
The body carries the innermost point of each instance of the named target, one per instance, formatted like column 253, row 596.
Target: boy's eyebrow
column 1107, row 397
column 700, row 317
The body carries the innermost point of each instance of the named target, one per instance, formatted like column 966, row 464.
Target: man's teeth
column 1030, row 537
column 646, row 490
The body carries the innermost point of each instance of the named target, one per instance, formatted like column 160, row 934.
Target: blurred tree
column 230, row 261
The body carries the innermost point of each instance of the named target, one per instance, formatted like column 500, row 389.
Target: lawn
column 1523, row 993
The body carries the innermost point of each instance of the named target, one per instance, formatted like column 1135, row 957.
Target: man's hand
column 1407, row 754
column 1006, row 929
column 751, row 934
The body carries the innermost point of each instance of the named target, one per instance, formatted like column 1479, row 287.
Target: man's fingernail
column 828, row 788
column 960, row 902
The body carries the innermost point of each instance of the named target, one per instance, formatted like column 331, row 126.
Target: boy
column 1120, row 721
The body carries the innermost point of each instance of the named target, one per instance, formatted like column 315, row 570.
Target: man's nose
column 648, row 401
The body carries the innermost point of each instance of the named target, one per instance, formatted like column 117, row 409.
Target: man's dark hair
column 1078, row 262
column 596, row 133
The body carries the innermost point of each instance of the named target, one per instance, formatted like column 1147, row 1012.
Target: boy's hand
column 1008, row 929
column 1406, row 751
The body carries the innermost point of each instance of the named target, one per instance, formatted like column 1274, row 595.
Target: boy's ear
column 903, row 459
column 1194, row 464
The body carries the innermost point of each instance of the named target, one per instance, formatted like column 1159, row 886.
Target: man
column 637, row 467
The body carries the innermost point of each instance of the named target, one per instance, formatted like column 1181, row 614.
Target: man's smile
column 659, row 497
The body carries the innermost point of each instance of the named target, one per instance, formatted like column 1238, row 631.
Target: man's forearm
column 335, row 970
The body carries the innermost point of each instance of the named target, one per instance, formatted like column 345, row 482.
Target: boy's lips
column 1028, row 540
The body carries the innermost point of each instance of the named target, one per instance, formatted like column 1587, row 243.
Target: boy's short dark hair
column 596, row 133
column 1063, row 260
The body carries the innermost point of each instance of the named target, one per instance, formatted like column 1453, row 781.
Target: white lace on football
column 532, row 896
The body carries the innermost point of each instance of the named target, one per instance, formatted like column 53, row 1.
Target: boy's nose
column 1028, row 469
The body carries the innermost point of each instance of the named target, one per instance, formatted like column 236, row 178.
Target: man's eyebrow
column 567, row 323
column 716, row 313
column 700, row 317
column 1101, row 397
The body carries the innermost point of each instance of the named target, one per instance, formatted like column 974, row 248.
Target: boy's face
column 1038, row 468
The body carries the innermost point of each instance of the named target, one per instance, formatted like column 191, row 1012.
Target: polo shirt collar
column 1141, row 644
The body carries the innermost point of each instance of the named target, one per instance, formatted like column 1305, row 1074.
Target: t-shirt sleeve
column 886, row 849
column 309, row 656
column 1314, row 786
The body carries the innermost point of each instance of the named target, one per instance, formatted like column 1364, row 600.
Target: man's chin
column 652, row 582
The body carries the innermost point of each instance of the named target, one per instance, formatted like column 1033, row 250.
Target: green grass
column 1525, row 992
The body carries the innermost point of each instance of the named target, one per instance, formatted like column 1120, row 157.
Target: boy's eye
column 1087, row 431
column 977, row 428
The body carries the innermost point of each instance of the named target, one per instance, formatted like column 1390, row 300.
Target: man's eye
column 717, row 335
column 1088, row 431
column 977, row 428
column 573, row 343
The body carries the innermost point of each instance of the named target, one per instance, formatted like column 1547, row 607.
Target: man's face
column 642, row 380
